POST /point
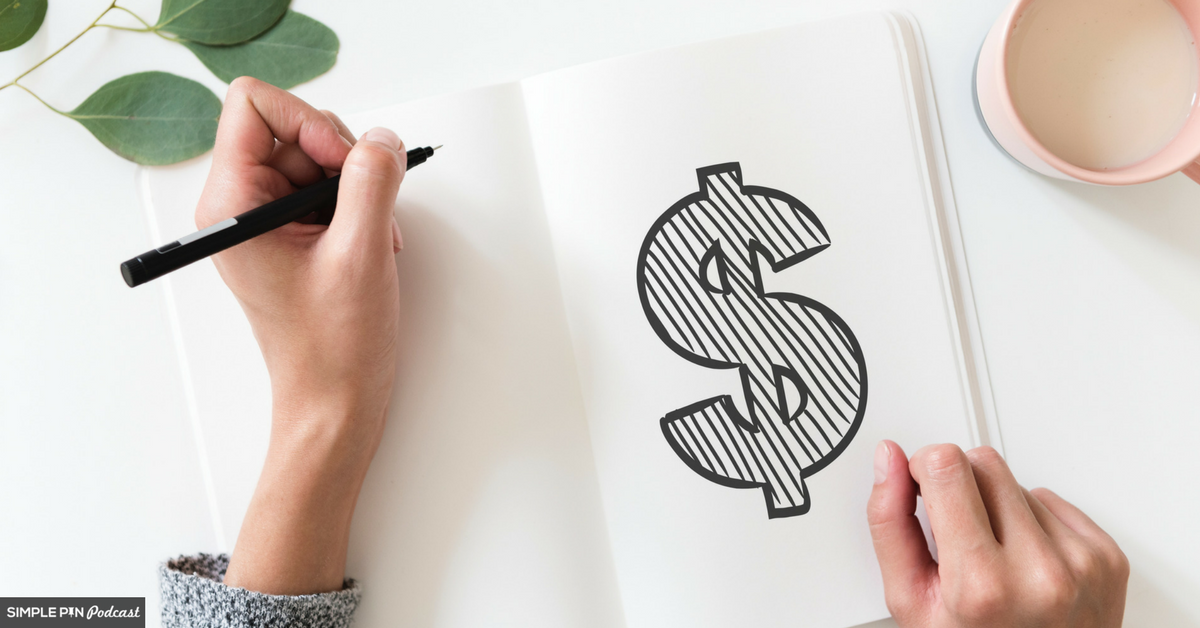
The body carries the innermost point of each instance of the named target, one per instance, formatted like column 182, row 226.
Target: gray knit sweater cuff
column 193, row 596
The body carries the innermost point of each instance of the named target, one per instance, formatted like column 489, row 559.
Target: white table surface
column 1089, row 298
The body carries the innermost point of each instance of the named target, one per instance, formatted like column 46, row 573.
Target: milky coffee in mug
column 1102, row 91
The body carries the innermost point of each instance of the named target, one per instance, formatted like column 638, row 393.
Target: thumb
column 909, row 572
column 371, row 177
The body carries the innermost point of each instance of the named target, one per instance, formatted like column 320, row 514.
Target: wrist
column 323, row 445
column 294, row 537
column 350, row 419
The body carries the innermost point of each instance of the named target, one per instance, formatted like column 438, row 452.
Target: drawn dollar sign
column 803, row 376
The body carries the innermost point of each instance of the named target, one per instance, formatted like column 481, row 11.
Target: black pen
column 320, row 196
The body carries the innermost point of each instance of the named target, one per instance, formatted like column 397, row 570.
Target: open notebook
column 643, row 299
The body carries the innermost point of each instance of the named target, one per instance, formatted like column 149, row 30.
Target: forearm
column 296, row 531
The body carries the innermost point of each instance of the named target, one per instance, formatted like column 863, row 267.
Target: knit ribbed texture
column 193, row 596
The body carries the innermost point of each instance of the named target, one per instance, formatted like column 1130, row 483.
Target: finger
column 956, row 513
column 343, row 130
column 1071, row 516
column 907, row 567
column 366, row 201
column 1090, row 547
column 254, row 115
column 291, row 161
column 1012, row 520
column 1055, row 528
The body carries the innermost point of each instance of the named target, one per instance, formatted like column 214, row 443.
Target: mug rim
column 1141, row 171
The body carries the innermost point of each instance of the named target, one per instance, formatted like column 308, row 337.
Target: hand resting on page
column 1007, row 557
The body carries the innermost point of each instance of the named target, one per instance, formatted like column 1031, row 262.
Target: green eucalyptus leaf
column 219, row 22
column 297, row 49
column 19, row 20
column 152, row 118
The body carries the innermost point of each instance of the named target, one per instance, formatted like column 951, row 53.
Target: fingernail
column 397, row 236
column 383, row 136
column 883, row 460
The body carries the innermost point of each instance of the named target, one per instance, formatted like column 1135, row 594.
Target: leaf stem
column 135, row 16
column 149, row 28
column 53, row 54
column 123, row 28
column 39, row 99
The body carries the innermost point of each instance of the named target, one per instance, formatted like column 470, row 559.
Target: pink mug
column 1000, row 118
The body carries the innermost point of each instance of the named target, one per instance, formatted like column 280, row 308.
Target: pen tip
column 437, row 147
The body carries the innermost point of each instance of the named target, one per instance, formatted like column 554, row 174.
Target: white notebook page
column 818, row 111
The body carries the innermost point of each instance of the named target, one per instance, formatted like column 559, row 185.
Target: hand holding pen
column 324, row 304
column 317, row 200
